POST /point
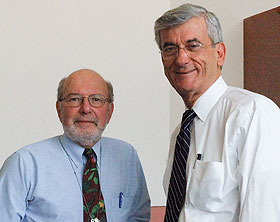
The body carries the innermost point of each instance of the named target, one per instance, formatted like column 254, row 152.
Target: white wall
column 43, row 41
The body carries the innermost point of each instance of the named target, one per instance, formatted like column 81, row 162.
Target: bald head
column 84, row 75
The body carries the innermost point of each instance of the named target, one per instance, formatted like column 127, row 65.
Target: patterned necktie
column 177, row 183
column 94, row 206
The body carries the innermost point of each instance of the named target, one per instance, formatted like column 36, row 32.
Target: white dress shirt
column 238, row 177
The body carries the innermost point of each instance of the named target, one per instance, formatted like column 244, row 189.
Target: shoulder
column 117, row 146
column 248, row 102
column 42, row 147
column 30, row 157
column 115, row 142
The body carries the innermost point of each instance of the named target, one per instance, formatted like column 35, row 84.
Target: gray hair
column 182, row 14
column 61, row 86
column 110, row 90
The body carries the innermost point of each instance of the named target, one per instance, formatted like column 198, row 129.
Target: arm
column 142, row 203
column 259, row 167
column 14, row 189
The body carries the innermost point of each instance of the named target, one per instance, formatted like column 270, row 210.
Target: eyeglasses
column 95, row 100
column 172, row 51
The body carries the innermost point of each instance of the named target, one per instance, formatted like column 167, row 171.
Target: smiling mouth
column 185, row 73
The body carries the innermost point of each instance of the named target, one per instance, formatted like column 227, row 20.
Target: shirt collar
column 97, row 149
column 208, row 99
column 76, row 152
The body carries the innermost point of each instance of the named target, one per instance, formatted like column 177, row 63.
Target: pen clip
column 198, row 157
column 120, row 199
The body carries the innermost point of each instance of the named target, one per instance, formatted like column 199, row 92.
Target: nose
column 85, row 106
column 183, row 57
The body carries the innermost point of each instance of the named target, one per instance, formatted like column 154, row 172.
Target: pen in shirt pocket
column 198, row 157
column 120, row 199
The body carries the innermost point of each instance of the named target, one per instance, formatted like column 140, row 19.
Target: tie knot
column 89, row 153
column 188, row 117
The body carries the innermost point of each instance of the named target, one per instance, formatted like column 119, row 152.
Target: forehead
column 85, row 84
column 195, row 28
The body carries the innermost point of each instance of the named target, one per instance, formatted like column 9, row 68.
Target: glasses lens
column 193, row 46
column 74, row 100
column 169, row 51
column 96, row 100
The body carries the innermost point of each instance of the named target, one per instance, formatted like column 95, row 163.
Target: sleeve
column 259, row 167
column 142, row 203
column 14, row 189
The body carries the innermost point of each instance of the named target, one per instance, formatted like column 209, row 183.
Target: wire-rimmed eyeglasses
column 95, row 100
column 172, row 51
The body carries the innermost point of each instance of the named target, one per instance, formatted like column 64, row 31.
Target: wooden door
column 262, row 54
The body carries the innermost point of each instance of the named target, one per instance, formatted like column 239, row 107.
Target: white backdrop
column 43, row 41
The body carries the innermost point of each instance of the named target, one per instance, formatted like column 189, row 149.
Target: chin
column 83, row 137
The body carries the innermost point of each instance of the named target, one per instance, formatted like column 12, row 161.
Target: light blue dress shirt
column 42, row 182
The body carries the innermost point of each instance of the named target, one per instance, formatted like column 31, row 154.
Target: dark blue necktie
column 177, row 183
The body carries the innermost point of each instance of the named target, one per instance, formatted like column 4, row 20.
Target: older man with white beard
column 45, row 181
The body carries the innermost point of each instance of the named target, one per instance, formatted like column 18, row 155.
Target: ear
column 58, row 110
column 221, row 53
column 110, row 111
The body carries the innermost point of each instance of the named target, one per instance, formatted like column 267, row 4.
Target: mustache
column 88, row 119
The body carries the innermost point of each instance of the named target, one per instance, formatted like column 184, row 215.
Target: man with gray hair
column 80, row 175
column 225, row 164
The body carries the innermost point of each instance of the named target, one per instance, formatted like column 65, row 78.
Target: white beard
column 84, row 139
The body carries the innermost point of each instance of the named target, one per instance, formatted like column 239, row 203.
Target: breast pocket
column 205, row 184
column 120, row 209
